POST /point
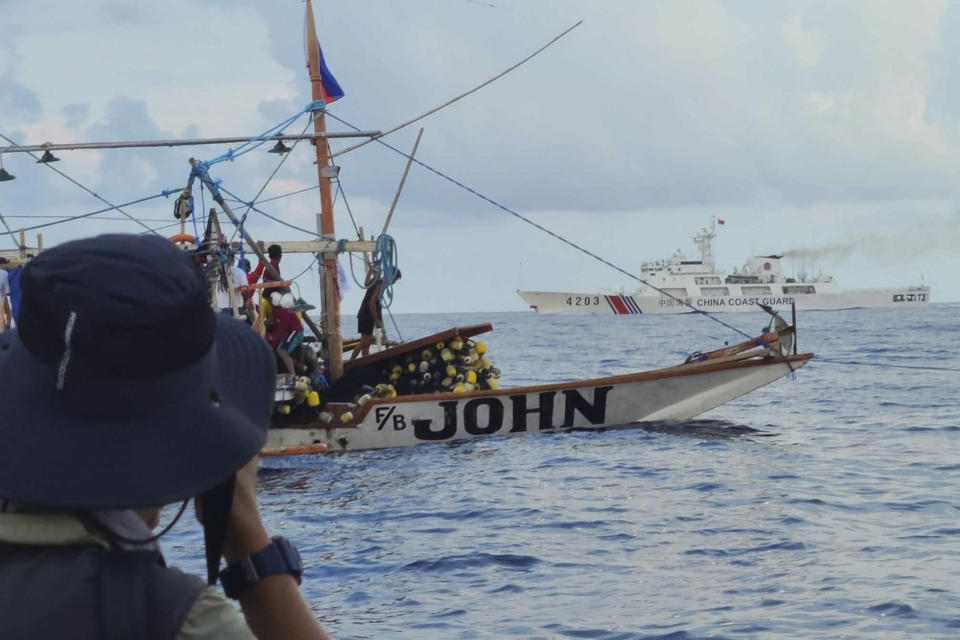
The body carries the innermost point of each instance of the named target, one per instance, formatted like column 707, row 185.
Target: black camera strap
column 216, row 512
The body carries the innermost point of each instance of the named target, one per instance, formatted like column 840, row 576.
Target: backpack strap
column 124, row 580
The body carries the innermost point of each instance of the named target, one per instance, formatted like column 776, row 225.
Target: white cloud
column 806, row 121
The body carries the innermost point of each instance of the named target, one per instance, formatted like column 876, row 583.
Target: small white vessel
column 679, row 285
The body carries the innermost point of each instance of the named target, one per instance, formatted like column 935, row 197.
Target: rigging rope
column 238, row 200
column 257, row 141
column 457, row 98
column 886, row 366
column 16, row 242
column 283, row 159
column 162, row 194
column 549, row 232
column 94, row 194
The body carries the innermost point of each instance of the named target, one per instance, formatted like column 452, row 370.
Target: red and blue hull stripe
column 623, row 305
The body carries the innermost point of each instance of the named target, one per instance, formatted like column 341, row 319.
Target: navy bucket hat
column 121, row 387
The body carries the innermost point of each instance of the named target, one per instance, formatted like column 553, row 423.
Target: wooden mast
column 331, row 295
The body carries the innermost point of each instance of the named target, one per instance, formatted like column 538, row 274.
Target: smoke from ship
column 899, row 248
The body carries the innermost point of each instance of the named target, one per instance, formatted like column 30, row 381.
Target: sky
column 827, row 130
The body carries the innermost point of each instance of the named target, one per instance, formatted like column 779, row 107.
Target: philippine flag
column 330, row 88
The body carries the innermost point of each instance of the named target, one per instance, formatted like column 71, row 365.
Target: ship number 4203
column 582, row 301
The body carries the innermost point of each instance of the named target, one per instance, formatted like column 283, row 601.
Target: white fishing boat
column 396, row 397
column 682, row 285
column 680, row 392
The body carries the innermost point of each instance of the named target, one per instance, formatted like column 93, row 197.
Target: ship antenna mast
column 704, row 242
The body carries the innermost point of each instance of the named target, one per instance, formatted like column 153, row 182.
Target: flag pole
column 331, row 294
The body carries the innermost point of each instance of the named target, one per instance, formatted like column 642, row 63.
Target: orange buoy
column 182, row 237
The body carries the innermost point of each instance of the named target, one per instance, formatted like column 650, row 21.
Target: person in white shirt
column 222, row 292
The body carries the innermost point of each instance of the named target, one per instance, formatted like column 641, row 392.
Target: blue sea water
column 822, row 506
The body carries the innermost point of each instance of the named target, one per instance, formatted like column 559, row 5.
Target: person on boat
column 94, row 442
column 286, row 332
column 237, row 281
column 6, row 316
column 249, row 278
column 370, row 316
column 274, row 255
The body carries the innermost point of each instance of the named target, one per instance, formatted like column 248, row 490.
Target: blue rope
column 385, row 260
column 257, row 141
column 93, row 213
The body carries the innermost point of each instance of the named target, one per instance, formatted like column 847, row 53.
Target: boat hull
column 627, row 304
column 676, row 393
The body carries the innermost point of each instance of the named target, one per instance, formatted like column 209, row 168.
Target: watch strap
column 279, row 557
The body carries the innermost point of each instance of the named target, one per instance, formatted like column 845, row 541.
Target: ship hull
column 676, row 393
column 627, row 304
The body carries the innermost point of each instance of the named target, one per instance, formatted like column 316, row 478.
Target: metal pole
column 188, row 142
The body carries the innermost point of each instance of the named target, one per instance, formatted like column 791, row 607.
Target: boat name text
column 487, row 415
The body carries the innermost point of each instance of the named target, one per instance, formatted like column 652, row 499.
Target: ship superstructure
column 681, row 285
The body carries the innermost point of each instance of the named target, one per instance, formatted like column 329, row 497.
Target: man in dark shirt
column 370, row 316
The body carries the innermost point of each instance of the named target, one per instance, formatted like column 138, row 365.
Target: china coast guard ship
column 679, row 285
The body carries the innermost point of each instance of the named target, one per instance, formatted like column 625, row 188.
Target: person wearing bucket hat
column 123, row 392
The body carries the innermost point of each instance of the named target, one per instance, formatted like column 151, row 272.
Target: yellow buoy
column 451, row 370
column 493, row 383
column 471, row 377
column 459, row 389
column 481, row 347
column 346, row 416
column 283, row 409
column 313, row 399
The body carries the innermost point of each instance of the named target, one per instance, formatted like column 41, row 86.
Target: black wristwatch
column 279, row 557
